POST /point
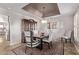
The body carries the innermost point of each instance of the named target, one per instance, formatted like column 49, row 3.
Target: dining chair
column 30, row 42
column 67, row 36
column 48, row 39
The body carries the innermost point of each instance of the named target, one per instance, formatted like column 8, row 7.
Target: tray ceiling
column 43, row 9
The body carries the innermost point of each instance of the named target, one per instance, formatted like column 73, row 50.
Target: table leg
column 65, row 40
column 70, row 40
column 41, row 45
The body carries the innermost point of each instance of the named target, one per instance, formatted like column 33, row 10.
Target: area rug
column 56, row 49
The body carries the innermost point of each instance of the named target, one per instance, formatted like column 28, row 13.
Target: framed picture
column 52, row 25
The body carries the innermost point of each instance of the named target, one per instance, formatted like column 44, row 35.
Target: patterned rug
column 56, row 49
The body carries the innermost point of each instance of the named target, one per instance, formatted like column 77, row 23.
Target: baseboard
column 15, row 45
column 76, row 47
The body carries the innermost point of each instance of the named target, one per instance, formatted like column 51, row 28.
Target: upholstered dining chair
column 67, row 36
column 30, row 42
column 48, row 39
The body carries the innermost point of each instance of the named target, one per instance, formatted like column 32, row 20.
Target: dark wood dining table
column 41, row 40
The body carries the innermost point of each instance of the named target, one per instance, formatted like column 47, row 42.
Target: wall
column 15, row 27
column 65, row 24
column 76, row 30
column 15, row 24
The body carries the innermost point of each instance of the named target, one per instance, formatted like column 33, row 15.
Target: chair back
column 30, row 42
column 35, row 33
column 68, row 34
column 49, row 35
column 28, row 36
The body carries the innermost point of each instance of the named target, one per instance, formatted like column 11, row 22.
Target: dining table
column 41, row 40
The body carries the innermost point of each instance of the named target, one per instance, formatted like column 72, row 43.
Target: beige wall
column 15, row 28
column 65, row 23
column 15, row 25
column 76, row 30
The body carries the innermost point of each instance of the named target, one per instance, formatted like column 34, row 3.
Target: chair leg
column 49, row 45
column 25, row 49
column 70, row 40
column 61, row 39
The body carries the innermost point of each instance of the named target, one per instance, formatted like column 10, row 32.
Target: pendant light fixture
column 43, row 9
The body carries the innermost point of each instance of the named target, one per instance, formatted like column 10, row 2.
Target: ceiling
column 46, row 9
column 64, row 8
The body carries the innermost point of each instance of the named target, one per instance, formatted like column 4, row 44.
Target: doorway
column 4, row 30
